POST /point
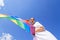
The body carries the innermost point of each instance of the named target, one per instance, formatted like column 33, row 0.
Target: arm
column 40, row 29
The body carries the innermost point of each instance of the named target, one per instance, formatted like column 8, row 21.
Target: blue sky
column 46, row 12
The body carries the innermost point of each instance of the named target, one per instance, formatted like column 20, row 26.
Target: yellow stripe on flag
column 1, row 15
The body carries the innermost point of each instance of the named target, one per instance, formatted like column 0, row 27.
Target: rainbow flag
column 18, row 22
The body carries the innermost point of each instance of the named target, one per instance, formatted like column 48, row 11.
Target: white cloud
column 1, row 2
column 6, row 36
